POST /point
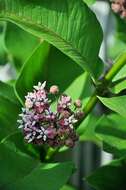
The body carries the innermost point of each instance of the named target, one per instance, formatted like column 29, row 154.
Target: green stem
column 50, row 153
column 119, row 63
column 90, row 104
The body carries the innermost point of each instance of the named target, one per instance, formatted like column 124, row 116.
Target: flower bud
column 54, row 89
column 79, row 114
column 116, row 7
column 78, row 103
column 123, row 14
column 69, row 143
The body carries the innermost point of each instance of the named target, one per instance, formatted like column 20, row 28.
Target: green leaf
column 84, row 91
column 3, row 53
column 117, row 104
column 86, row 130
column 79, row 38
column 66, row 187
column 109, row 177
column 121, row 28
column 89, row 2
column 8, row 117
column 49, row 65
column 16, row 140
column 19, row 171
column 32, row 71
column 9, row 110
column 116, row 48
column 7, row 92
column 19, row 43
column 112, row 131
column 121, row 85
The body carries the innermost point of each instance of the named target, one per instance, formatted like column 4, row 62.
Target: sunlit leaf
column 109, row 177
column 22, row 172
column 55, row 22
column 117, row 104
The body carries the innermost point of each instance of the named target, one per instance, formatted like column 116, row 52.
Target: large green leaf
column 32, row 70
column 7, row 92
column 3, row 53
column 67, row 187
column 117, row 104
column 49, row 64
column 87, row 128
column 19, row 171
column 19, row 43
column 89, row 2
column 85, row 89
column 70, row 26
column 8, row 117
column 112, row 132
column 9, row 110
column 109, row 177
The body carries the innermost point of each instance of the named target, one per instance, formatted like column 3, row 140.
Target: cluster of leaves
column 57, row 42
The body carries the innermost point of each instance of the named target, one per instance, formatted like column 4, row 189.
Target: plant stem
column 90, row 104
column 50, row 153
column 119, row 63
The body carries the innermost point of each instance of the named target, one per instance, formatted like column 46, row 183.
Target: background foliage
column 59, row 42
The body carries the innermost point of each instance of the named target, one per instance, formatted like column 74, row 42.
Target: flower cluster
column 40, row 125
column 119, row 6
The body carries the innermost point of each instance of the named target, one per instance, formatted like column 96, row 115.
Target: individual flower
column 40, row 125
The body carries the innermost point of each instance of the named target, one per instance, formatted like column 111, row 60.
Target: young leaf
column 19, row 171
column 117, row 104
column 109, row 177
column 70, row 26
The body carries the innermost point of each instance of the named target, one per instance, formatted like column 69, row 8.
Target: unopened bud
column 69, row 143
column 78, row 103
column 123, row 14
column 54, row 89
column 116, row 7
column 79, row 114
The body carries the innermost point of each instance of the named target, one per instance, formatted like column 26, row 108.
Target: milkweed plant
column 59, row 92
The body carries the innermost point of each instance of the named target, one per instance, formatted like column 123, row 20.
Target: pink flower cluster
column 119, row 6
column 40, row 125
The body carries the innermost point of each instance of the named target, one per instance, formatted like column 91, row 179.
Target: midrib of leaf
column 15, row 21
column 42, row 31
